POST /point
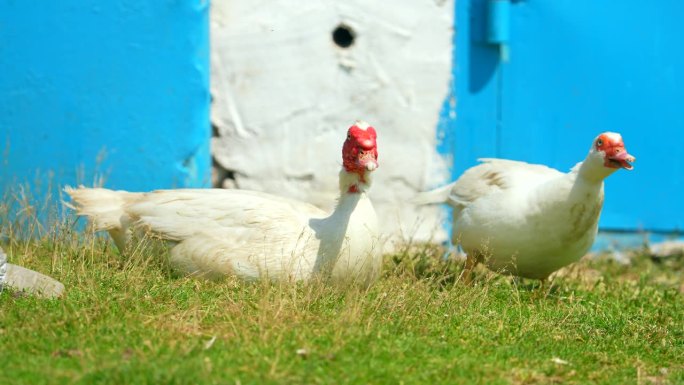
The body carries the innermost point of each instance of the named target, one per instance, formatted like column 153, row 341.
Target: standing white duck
column 530, row 220
column 216, row 232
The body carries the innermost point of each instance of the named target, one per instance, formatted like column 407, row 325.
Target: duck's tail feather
column 105, row 208
column 436, row 196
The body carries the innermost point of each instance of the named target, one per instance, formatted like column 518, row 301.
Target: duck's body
column 528, row 220
column 250, row 234
column 532, row 222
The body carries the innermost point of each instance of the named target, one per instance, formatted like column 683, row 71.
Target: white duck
column 216, row 232
column 530, row 220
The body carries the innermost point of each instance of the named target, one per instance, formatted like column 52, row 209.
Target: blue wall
column 116, row 87
column 121, row 89
column 576, row 68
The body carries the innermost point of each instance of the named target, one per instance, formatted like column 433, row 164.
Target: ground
column 129, row 320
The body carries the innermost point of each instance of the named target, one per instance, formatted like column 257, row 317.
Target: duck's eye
column 599, row 142
column 348, row 136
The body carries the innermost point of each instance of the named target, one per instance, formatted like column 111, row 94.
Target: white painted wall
column 285, row 94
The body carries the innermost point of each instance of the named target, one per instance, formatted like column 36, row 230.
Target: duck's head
column 360, row 149
column 609, row 149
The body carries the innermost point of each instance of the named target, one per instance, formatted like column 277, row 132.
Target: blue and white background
column 119, row 92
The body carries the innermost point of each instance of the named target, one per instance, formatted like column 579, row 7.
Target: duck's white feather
column 495, row 175
column 250, row 234
column 524, row 219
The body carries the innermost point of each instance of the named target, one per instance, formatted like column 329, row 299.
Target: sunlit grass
column 128, row 319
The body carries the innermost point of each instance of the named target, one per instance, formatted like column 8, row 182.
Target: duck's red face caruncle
column 615, row 154
column 360, row 150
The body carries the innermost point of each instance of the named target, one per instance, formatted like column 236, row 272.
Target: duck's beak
column 368, row 160
column 618, row 157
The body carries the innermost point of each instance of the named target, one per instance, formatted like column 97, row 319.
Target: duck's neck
column 353, row 197
column 592, row 171
column 352, row 183
column 583, row 182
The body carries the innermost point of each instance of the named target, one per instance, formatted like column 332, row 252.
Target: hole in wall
column 343, row 36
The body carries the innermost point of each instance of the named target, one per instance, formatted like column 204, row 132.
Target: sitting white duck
column 530, row 220
column 249, row 234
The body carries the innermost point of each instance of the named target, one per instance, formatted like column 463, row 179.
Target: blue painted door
column 566, row 70
column 117, row 89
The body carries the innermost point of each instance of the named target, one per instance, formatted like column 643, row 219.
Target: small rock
column 209, row 343
column 24, row 280
column 559, row 361
column 302, row 353
column 667, row 249
column 32, row 282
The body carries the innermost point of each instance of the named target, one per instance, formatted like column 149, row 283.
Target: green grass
column 128, row 320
